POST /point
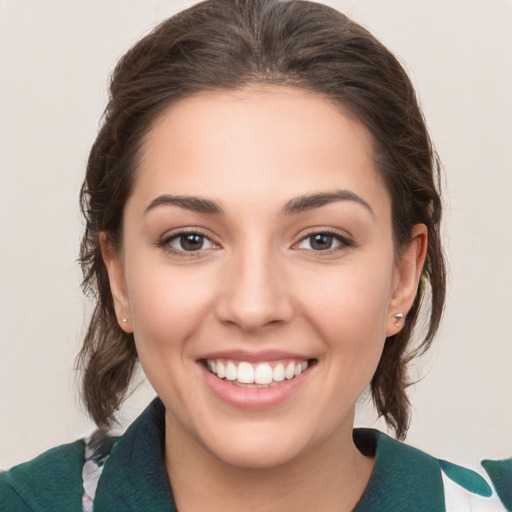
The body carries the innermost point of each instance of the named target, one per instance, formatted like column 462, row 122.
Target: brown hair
column 225, row 44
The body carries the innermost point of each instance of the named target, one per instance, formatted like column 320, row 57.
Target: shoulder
column 500, row 472
column 411, row 476
column 125, row 473
column 52, row 481
column 477, row 489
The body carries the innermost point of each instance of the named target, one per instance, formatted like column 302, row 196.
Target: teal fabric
column 50, row 482
column 404, row 479
column 470, row 480
column 134, row 477
column 500, row 472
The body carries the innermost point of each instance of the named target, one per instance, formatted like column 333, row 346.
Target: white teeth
column 245, row 373
column 261, row 374
column 278, row 373
column 221, row 370
column 290, row 371
column 230, row 371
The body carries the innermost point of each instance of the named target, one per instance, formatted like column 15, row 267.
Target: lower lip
column 253, row 398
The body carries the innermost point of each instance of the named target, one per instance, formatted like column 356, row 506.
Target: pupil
column 321, row 242
column 191, row 242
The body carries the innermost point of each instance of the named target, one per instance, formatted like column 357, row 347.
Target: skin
column 257, row 283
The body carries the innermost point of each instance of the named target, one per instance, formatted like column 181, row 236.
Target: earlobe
column 115, row 270
column 408, row 274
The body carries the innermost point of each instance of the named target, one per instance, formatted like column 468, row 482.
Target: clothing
column 134, row 478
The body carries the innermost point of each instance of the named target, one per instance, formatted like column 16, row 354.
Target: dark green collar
column 403, row 478
column 135, row 479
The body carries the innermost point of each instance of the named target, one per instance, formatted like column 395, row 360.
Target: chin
column 254, row 456
column 259, row 445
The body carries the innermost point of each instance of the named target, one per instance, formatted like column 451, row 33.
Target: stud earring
column 398, row 317
column 125, row 320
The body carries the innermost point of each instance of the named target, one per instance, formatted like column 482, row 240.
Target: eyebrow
column 293, row 206
column 311, row 201
column 195, row 204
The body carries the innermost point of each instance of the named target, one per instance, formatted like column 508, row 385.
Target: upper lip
column 253, row 356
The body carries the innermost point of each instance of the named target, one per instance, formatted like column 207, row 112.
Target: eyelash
column 165, row 243
column 343, row 240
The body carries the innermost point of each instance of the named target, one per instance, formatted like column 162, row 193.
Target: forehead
column 254, row 144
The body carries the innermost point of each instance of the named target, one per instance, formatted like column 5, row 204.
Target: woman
column 263, row 219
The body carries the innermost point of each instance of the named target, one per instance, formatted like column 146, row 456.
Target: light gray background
column 55, row 58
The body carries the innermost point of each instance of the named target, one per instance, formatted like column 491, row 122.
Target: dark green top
column 134, row 478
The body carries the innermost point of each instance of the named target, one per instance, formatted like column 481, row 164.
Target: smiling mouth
column 261, row 375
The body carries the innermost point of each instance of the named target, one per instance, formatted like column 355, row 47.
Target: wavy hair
column 226, row 44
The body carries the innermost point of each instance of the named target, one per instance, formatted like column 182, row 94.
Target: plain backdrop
column 55, row 59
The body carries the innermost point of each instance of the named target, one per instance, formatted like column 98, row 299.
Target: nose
column 254, row 292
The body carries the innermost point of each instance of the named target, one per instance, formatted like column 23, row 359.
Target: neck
column 330, row 477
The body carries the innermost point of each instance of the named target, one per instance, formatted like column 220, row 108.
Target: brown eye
column 191, row 242
column 188, row 242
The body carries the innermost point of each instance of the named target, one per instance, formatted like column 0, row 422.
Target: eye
column 188, row 242
column 323, row 242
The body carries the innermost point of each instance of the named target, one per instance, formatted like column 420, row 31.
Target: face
column 257, row 271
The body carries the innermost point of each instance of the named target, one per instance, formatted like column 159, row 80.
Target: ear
column 407, row 276
column 115, row 270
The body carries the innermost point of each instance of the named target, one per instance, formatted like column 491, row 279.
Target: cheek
column 349, row 296
column 167, row 306
column 350, row 306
